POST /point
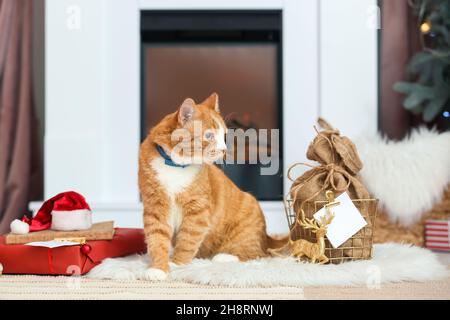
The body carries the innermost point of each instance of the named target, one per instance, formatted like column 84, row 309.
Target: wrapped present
column 337, row 171
column 437, row 235
column 72, row 259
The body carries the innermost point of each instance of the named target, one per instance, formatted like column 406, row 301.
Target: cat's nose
column 221, row 145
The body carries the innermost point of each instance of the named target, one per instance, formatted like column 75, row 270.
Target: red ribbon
column 51, row 269
column 50, row 261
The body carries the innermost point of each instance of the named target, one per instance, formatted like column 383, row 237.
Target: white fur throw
column 408, row 177
column 391, row 263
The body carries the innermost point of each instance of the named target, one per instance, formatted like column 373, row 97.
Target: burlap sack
column 330, row 147
column 338, row 169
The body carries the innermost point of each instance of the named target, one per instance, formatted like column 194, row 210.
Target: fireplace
column 235, row 53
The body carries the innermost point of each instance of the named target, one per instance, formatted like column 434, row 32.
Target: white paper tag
column 52, row 244
column 347, row 221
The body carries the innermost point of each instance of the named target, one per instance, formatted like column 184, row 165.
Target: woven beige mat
column 51, row 287
column 64, row 288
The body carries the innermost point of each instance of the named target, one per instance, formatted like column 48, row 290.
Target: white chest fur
column 174, row 180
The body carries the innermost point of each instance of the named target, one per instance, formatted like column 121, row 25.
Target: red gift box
column 437, row 235
column 69, row 260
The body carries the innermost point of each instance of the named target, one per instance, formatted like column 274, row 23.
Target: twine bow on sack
column 317, row 173
column 329, row 170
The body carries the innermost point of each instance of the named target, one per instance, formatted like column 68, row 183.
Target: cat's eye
column 209, row 135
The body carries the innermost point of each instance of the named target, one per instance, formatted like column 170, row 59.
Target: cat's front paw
column 225, row 257
column 154, row 274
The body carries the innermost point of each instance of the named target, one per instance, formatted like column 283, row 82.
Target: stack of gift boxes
column 61, row 240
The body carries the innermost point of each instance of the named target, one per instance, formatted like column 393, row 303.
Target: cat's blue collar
column 167, row 159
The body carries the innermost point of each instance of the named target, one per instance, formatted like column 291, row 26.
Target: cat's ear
column 186, row 111
column 212, row 101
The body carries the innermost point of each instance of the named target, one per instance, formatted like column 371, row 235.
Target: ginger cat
column 188, row 201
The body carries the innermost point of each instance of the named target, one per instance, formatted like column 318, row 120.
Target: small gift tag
column 347, row 220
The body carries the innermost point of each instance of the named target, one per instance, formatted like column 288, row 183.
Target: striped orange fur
column 197, row 209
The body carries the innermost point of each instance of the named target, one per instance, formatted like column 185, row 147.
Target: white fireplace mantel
column 92, row 112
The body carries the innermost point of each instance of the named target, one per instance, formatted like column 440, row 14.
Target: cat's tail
column 277, row 242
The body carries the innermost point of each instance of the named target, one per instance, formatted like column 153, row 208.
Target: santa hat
column 65, row 211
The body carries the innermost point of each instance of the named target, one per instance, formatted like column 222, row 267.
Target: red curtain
column 19, row 146
column 399, row 41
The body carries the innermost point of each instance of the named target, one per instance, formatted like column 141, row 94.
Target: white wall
column 74, row 97
column 348, row 65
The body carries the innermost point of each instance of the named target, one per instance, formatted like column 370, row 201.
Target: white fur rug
column 409, row 176
column 391, row 263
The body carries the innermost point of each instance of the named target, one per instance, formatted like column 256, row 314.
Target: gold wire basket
column 358, row 247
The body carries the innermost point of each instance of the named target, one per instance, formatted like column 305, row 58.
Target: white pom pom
column 19, row 227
